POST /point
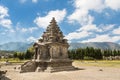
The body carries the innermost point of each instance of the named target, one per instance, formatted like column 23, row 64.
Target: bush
column 88, row 58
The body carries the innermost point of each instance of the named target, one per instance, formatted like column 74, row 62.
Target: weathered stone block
column 29, row 66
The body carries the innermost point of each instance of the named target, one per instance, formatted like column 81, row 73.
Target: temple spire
column 53, row 32
column 53, row 23
column 53, row 20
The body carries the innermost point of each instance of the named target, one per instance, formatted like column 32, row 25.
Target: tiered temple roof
column 53, row 33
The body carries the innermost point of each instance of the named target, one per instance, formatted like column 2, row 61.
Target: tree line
column 92, row 53
column 89, row 53
column 24, row 55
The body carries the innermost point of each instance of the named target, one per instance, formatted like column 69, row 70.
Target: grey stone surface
column 29, row 66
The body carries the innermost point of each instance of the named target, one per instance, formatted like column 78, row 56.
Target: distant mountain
column 21, row 46
column 15, row 46
column 100, row 45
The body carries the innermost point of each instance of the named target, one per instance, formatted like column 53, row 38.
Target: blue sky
column 80, row 20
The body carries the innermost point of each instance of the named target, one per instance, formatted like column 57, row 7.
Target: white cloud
column 113, row 4
column 31, row 29
column 87, row 31
column 116, row 31
column 107, row 27
column 82, row 8
column 83, row 32
column 4, row 21
column 3, row 12
column 89, row 27
column 12, row 30
column 44, row 21
column 23, row 1
column 31, row 39
column 25, row 29
column 34, row 1
column 96, row 5
column 82, row 15
column 77, row 35
column 103, row 38
column 6, row 31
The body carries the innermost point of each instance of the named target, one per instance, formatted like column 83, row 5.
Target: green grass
column 13, row 60
column 98, row 63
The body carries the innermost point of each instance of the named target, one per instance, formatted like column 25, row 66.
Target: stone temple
column 51, row 52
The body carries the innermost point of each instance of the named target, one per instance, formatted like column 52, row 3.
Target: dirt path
column 88, row 73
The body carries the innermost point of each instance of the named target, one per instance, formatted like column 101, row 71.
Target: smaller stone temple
column 51, row 52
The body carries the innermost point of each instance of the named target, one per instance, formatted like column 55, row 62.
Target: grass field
column 12, row 61
column 99, row 63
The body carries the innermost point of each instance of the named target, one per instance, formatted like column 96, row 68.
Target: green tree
column 21, row 55
column 29, row 53
column 15, row 55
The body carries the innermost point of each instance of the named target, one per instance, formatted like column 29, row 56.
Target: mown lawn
column 98, row 63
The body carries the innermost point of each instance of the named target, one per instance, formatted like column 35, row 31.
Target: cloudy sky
column 80, row 20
